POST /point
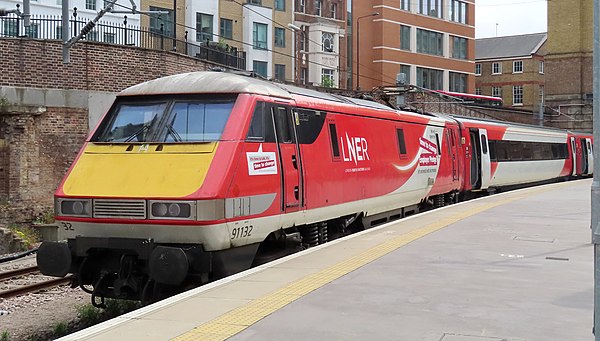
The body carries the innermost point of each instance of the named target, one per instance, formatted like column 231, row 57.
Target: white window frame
column 478, row 91
column 517, row 66
column 329, row 73
column 326, row 36
column 517, row 94
column 301, row 6
column 499, row 68
column 477, row 69
column 541, row 67
column 319, row 4
column 497, row 91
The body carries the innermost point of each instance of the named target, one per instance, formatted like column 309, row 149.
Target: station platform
column 513, row 266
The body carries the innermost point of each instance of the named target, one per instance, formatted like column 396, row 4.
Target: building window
column 478, row 91
column 327, row 39
column 259, row 34
column 405, row 37
column 280, row 72
column 92, row 36
column 458, row 82
column 303, row 40
column 303, row 75
column 496, row 68
column 430, row 42
column 279, row 37
column 90, row 4
column 204, row 27
column 318, row 4
column 161, row 23
column 405, row 69
column 405, row 5
column 255, row 2
column 300, row 6
column 518, row 66
column 458, row 11
column 280, row 5
column 518, row 95
column 10, row 28
column 459, row 48
column 226, row 28
column 432, row 8
column 109, row 37
column 327, row 79
column 478, row 69
column 430, row 79
column 260, row 68
column 334, row 11
column 497, row 91
column 541, row 70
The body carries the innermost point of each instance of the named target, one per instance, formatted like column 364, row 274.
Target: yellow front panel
column 142, row 171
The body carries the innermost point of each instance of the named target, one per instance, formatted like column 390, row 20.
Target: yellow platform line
column 241, row 318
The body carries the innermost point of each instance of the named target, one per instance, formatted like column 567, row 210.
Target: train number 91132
column 241, row 232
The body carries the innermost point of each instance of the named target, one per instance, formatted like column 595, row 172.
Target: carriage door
column 584, row 157
column 451, row 142
column 590, row 156
column 574, row 156
column 289, row 158
column 486, row 166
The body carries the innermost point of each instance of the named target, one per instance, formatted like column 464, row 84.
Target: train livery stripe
column 237, row 320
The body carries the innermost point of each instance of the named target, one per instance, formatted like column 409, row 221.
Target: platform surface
column 514, row 266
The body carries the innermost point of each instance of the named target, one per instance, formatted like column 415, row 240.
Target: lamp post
column 358, row 46
column 296, row 29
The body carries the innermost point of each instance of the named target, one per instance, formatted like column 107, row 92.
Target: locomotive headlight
column 172, row 210
column 73, row 207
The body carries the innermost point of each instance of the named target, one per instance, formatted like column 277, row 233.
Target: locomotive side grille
column 126, row 209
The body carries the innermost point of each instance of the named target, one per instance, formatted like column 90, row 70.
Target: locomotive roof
column 225, row 82
column 205, row 82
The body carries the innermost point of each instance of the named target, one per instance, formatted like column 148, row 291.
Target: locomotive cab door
column 289, row 159
column 574, row 156
column 480, row 159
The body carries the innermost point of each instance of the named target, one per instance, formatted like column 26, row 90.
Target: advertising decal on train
column 261, row 163
column 429, row 155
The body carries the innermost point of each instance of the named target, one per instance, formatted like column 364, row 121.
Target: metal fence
column 50, row 27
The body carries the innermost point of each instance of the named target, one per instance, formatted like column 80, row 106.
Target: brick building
column 512, row 67
column 431, row 41
column 569, row 83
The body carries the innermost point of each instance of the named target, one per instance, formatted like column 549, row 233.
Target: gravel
column 39, row 313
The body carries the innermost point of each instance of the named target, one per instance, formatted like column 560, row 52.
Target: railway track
column 22, row 289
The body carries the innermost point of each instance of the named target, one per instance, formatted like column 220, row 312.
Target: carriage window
column 335, row 147
column 492, row 147
column 484, row 147
column 401, row 142
column 437, row 140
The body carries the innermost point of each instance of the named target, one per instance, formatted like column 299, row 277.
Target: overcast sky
column 512, row 16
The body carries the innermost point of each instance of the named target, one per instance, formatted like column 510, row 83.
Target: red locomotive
column 197, row 176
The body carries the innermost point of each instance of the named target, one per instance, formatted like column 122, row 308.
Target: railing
column 50, row 27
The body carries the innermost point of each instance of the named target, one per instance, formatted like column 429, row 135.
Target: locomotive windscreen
column 168, row 120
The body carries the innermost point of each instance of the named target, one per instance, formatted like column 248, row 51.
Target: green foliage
column 88, row 314
column 5, row 336
column 60, row 329
column 4, row 104
column 46, row 217
column 327, row 82
column 28, row 234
